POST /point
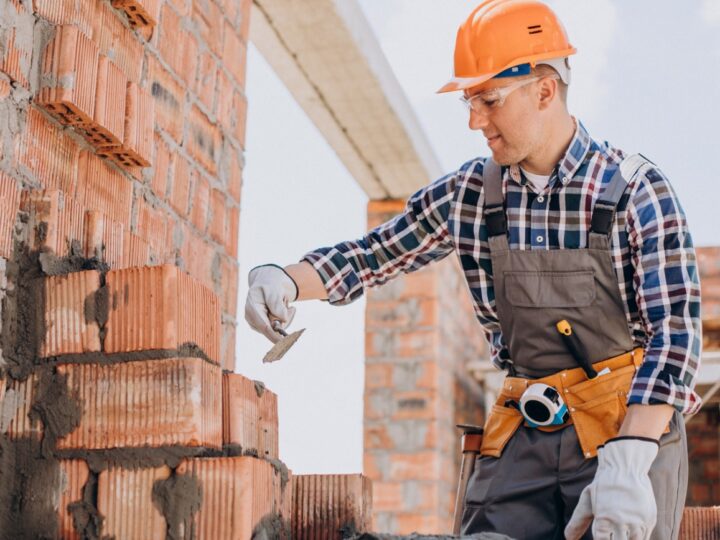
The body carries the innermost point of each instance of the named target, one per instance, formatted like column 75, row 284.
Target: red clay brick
column 229, row 284
column 237, row 493
column 234, row 55
column 124, row 498
column 69, row 75
column 161, row 167
column 118, row 42
column 15, row 62
column 161, row 307
column 102, row 188
column 250, row 417
column 136, row 251
column 146, row 403
column 700, row 523
column 104, row 238
column 240, row 118
column 69, row 326
column 85, row 15
column 197, row 256
column 152, row 223
column 56, row 222
column 224, row 100
column 422, row 523
column 200, row 203
column 232, row 237
column 323, row 503
column 414, row 466
column 140, row 13
column 181, row 175
column 177, row 46
column 107, row 127
column 218, row 216
column 136, row 150
column 245, row 21
column 206, row 81
column 9, row 204
column 169, row 99
column 235, row 176
column 209, row 19
column 204, row 140
column 22, row 395
column 47, row 154
column 228, row 344
column 74, row 474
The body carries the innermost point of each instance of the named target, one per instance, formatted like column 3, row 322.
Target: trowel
column 282, row 346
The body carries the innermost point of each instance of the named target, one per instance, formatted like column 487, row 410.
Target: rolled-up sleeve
column 667, row 290
column 414, row 238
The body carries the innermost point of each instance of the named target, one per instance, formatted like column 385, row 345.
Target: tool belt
column 597, row 406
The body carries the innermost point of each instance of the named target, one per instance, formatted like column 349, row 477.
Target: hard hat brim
column 461, row 83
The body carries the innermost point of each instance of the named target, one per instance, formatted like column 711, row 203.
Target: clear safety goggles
column 485, row 102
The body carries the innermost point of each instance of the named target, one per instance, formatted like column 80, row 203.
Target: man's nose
column 477, row 120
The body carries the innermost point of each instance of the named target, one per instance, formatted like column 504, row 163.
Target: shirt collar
column 569, row 163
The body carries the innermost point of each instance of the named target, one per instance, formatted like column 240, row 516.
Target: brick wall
column 420, row 331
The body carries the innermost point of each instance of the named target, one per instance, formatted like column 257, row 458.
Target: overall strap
column 494, row 210
column 603, row 215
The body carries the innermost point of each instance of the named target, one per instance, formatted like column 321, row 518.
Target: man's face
column 512, row 129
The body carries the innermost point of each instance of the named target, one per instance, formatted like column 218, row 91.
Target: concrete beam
column 327, row 56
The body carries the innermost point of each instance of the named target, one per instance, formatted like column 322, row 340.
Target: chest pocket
column 550, row 289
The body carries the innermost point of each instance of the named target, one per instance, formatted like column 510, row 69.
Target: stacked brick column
column 420, row 332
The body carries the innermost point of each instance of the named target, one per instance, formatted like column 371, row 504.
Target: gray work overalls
column 531, row 490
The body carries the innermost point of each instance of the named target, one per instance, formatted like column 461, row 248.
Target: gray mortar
column 272, row 527
column 178, row 498
column 59, row 412
column 259, row 388
column 140, row 457
column 186, row 350
column 87, row 520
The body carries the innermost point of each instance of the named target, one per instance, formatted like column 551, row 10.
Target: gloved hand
column 620, row 500
column 271, row 291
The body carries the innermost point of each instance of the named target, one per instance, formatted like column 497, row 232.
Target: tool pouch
column 597, row 406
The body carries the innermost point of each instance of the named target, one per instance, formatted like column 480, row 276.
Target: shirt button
column 566, row 179
column 541, row 199
column 539, row 239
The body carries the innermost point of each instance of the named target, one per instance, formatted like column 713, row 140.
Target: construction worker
column 584, row 280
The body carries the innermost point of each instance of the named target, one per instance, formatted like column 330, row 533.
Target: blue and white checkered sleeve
column 668, row 295
column 414, row 238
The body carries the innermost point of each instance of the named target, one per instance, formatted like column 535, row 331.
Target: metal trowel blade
column 282, row 346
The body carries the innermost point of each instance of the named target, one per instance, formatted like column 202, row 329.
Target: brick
column 385, row 344
column 224, row 100
column 136, row 251
column 9, row 205
column 140, row 13
column 240, row 117
column 85, row 15
column 409, row 313
column 47, row 154
column 181, row 175
column 19, row 397
column 235, row 176
column 206, row 81
column 145, row 403
column 108, row 123
column 104, row 238
column 323, row 503
column 700, row 523
column 218, row 217
column 422, row 523
column 15, row 61
column 198, row 257
column 245, row 21
column 233, row 233
column 69, row 75
column 161, row 168
column 74, row 474
column 169, row 98
column 234, row 55
column 208, row 18
column 387, row 496
column 70, row 324
column 237, row 493
column 125, row 499
column 161, row 307
column 177, row 46
column 137, row 146
column 204, row 140
column 118, row 42
column 200, row 203
column 250, row 416
column 56, row 222
column 103, row 188
column 229, row 269
column 414, row 466
column 228, row 345
column 152, row 223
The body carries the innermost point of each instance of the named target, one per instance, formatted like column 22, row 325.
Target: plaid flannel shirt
column 652, row 254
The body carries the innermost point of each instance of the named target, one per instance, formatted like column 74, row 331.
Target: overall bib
column 527, row 481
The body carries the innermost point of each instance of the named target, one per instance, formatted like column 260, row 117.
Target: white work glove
column 271, row 291
column 619, row 501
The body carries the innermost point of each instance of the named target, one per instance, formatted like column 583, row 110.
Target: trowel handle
column 470, row 443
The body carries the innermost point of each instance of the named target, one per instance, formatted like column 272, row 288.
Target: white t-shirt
column 539, row 181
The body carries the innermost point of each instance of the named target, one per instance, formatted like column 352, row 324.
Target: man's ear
column 547, row 92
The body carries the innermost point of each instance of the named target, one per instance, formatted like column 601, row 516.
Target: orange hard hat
column 502, row 34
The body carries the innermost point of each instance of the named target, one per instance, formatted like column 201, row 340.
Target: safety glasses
column 485, row 102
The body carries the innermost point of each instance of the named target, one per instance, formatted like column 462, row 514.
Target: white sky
column 646, row 79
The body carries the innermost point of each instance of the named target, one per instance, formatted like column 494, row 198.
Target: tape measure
column 542, row 405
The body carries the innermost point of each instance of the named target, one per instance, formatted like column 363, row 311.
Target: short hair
column 543, row 70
